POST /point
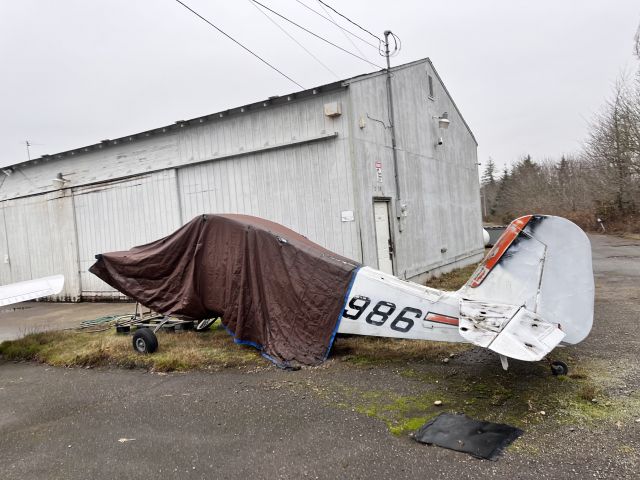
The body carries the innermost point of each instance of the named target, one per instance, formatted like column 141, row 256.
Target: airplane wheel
column 559, row 368
column 145, row 341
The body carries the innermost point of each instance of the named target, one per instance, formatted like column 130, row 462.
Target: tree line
column 601, row 181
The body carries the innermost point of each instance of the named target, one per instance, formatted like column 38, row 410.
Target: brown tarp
column 274, row 288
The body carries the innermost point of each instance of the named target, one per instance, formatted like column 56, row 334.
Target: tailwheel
column 559, row 368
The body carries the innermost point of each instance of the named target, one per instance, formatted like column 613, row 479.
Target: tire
column 123, row 328
column 559, row 368
column 203, row 325
column 145, row 341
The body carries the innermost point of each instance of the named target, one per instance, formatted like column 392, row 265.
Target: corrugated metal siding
column 126, row 158
column 303, row 187
column 5, row 271
column 39, row 241
column 439, row 183
column 120, row 215
column 280, row 164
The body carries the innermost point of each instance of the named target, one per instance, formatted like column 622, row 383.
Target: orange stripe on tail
column 501, row 246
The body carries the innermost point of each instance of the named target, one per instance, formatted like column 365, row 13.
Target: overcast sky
column 527, row 75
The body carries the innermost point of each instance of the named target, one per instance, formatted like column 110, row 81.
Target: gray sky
column 527, row 75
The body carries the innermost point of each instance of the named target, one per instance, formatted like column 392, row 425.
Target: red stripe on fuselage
column 439, row 318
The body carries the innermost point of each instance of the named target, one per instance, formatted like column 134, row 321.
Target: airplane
column 30, row 289
column 533, row 291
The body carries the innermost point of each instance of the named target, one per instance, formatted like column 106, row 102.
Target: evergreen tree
column 488, row 177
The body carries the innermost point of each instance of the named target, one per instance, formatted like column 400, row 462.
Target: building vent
column 332, row 109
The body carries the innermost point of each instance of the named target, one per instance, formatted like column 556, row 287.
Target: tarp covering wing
column 274, row 288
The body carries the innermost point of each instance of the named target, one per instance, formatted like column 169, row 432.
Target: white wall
column 438, row 183
column 38, row 239
column 289, row 163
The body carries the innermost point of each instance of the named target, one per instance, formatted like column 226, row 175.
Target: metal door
column 384, row 245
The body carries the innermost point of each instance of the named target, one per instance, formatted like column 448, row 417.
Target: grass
column 372, row 351
column 210, row 350
column 452, row 280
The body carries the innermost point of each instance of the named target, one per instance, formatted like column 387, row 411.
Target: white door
column 383, row 236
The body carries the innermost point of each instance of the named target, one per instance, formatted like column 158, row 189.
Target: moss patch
column 529, row 400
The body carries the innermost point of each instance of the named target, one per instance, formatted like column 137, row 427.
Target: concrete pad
column 18, row 320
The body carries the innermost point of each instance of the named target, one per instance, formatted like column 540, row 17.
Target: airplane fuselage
column 382, row 305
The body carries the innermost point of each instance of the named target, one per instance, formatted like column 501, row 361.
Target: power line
column 238, row 43
column 336, row 24
column 292, row 38
column 316, row 35
column 343, row 33
column 351, row 21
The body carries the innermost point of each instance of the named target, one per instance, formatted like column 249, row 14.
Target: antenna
column 28, row 144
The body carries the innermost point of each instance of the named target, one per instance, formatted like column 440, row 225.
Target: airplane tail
column 532, row 291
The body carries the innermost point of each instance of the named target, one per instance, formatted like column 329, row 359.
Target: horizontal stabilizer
column 31, row 289
column 514, row 332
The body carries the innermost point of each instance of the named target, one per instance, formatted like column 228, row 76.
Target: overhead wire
column 294, row 39
column 397, row 42
column 239, row 44
column 350, row 21
column 330, row 20
column 343, row 33
column 316, row 35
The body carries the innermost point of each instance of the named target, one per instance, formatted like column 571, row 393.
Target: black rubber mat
column 463, row 434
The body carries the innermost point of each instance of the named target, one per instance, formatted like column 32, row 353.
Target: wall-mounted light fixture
column 443, row 121
column 59, row 181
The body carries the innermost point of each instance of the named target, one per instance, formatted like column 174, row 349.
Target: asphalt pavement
column 74, row 423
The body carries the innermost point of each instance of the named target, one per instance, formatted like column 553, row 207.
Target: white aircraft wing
column 23, row 291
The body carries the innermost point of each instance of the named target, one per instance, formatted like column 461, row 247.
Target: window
column 430, row 79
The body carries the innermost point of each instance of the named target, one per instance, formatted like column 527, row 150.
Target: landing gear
column 559, row 368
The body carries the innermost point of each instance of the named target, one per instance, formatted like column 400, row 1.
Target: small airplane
column 533, row 291
column 30, row 289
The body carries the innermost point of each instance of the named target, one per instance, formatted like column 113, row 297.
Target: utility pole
column 26, row 142
column 399, row 207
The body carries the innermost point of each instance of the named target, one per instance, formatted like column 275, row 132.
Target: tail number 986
column 381, row 312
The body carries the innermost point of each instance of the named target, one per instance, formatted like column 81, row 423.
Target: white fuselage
column 382, row 305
